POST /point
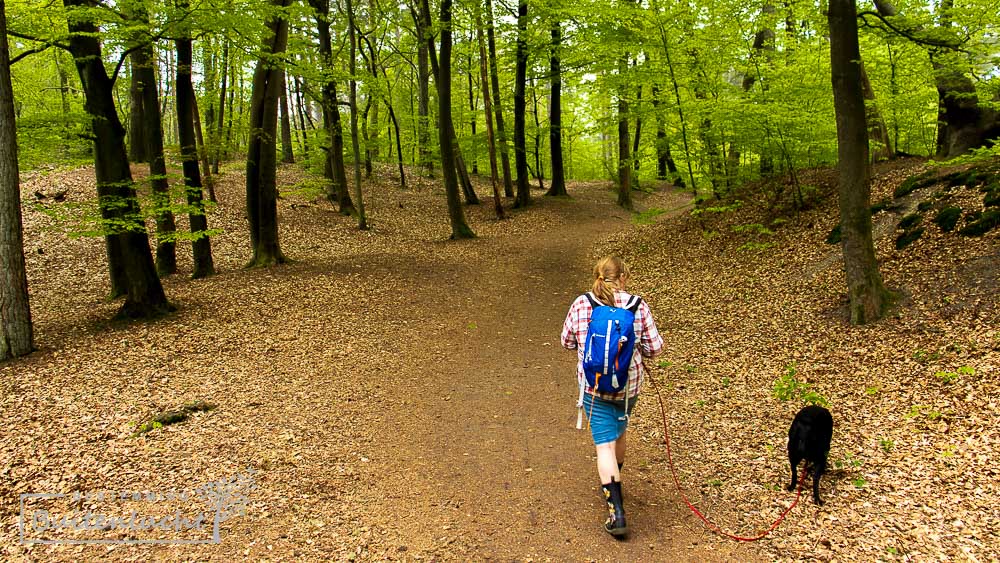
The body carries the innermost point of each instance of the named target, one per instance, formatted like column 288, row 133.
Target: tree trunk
column 202, row 150
column 262, row 192
column 488, row 109
column 624, row 156
column 217, row 136
column 472, row 117
column 301, row 111
column 201, row 243
column 353, row 96
column 877, row 130
column 287, row 155
column 459, row 227
column 335, row 169
column 523, row 198
column 423, row 102
column 558, row 186
column 130, row 261
column 16, row 338
column 136, row 134
column 508, row 185
column 537, row 137
column 869, row 298
column 637, row 137
column 666, row 169
column 145, row 69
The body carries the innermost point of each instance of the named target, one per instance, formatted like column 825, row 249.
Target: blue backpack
column 607, row 354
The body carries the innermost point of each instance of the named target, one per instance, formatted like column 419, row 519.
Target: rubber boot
column 615, row 524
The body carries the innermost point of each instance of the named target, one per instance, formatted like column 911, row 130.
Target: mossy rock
column 986, row 223
column 925, row 205
column 911, row 220
column 992, row 198
column 907, row 238
column 973, row 216
column 835, row 236
column 948, row 217
column 880, row 206
column 914, row 183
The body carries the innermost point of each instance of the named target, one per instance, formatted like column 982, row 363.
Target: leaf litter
column 912, row 466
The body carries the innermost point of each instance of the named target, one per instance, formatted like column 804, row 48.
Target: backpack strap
column 633, row 304
column 594, row 303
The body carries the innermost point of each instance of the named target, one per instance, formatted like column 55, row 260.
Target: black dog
column 809, row 439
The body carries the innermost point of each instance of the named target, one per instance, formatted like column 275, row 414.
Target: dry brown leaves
column 913, row 472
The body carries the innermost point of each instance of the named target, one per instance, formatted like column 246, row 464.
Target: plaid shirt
column 648, row 341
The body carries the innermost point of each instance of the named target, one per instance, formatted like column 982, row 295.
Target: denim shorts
column 605, row 417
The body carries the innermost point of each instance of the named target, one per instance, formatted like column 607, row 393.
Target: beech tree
column 869, row 298
column 262, row 190
column 130, row 261
column 523, row 198
column 16, row 337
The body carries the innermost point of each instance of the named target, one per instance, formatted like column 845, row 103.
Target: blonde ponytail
column 610, row 274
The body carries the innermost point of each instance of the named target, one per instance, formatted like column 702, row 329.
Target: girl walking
column 608, row 412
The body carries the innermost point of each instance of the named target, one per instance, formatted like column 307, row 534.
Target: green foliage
column 949, row 377
column 914, row 183
column 647, row 217
column 886, row 444
column 787, row 387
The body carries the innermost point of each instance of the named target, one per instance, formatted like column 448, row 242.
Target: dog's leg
column 818, row 470
column 795, row 468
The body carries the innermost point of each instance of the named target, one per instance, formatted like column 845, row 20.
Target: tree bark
column 262, row 193
column 359, row 202
column 202, row 151
column 624, row 156
column 301, row 112
column 136, row 133
column 666, row 168
column 558, row 186
column 523, row 198
column 869, row 298
column 508, row 185
column 287, row 154
column 423, row 100
column 638, row 135
column 218, row 126
column 459, row 227
column 130, row 261
column 488, row 110
column 145, row 69
column 201, row 244
column 335, row 169
column 16, row 337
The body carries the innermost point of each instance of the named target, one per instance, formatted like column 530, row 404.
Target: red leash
column 673, row 471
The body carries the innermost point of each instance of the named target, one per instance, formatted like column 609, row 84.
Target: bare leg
column 607, row 463
column 620, row 448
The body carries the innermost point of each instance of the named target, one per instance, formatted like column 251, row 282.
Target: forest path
column 475, row 454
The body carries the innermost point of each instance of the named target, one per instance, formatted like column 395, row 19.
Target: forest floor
column 398, row 396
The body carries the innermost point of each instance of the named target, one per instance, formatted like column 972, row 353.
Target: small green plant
column 726, row 381
column 872, row 390
column 925, row 357
column 664, row 364
column 699, row 403
column 886, row 444
column 847, row 461
column 754, row 228
column 858, row 482
column 690, row 368
column 788, row 387
column 949, row 377
column 647, row 217
column 714, row 482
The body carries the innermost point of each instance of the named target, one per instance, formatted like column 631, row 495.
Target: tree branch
column 953, row 45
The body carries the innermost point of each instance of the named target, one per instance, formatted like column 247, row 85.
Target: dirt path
column 477, row 455
column 397, row 397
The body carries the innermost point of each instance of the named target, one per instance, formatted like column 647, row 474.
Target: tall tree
column 353, row 98
column 484, row 83
column 144, row 72
column 130, row 261
column 523, row 198
column 262, row 190
column 287, row 154
column 558, row 186
column 869, row 298
column 335, row 168
column 508, row 185
column 186, row 111
column 459, row 227
column 136, row 133
column 16, row 338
